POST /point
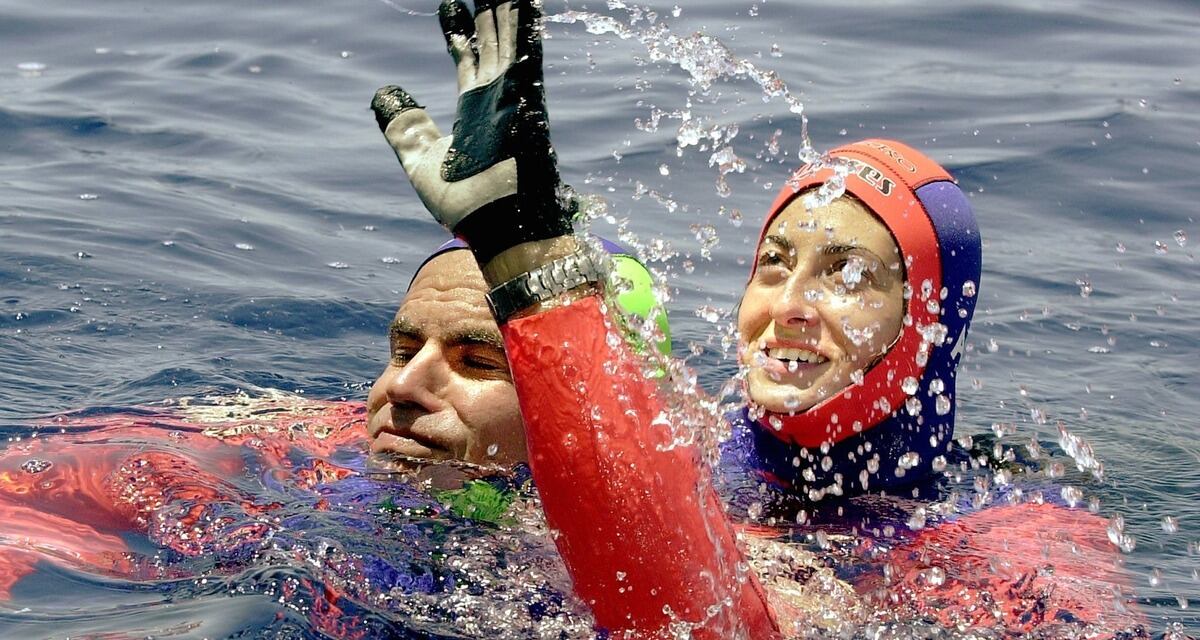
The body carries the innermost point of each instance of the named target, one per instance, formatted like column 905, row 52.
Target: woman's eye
column 770, row 258
column 851, row 271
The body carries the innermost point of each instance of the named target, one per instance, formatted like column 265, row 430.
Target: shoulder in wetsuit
column 638, row 521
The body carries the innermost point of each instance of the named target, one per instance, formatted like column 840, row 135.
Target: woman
column 853, row 322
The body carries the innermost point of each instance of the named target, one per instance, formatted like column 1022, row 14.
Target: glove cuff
column 504, row 223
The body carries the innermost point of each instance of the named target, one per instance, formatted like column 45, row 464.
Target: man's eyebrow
column 475, row 337
column 404, row 328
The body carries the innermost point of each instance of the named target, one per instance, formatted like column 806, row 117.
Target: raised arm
column 636, row 519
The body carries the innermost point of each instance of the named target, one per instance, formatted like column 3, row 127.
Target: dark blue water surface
column 196, row 199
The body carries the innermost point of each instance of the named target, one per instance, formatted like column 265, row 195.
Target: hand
column 494, row 181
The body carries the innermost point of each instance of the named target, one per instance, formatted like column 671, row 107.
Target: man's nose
column 420, row 380
column 796, row 306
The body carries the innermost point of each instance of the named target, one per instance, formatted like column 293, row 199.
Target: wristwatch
column 543, row 283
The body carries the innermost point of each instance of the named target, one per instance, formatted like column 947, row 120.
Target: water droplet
column 1120, row 248
column 909, row 385
column 942, row 405
column 492, row 449
column 776, row 52
column 1072, row 495
column 664, row 170
column 1160, row 247
column 244, row 246
column 917, row 520
column 34, row 465
column 337, row 265
column 1170, row 524
column 390, row 260
column 939, row 463
column 88, row 196
column 1002, row 478
column 1085, row 288
column 1180, row 237
column 852, row 271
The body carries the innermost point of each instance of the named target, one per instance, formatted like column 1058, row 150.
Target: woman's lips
column 779, row 361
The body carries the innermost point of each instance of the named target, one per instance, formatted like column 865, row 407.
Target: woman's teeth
column 795, row 355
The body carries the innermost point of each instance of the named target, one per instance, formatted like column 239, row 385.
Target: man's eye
column 401, row 358
column 403, row 353
column 484, row 366
column 485, row 363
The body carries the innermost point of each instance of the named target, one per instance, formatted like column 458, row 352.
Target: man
column 446, row 393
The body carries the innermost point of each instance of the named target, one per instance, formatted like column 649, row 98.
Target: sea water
column 197, row 200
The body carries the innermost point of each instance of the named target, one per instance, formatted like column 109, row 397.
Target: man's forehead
column 447, row 296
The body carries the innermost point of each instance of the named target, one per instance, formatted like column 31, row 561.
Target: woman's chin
column 783, row 399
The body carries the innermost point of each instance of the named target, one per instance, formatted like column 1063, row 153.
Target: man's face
column 447, row 393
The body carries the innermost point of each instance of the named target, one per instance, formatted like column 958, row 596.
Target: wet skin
column 826, row 300
column 447, row 393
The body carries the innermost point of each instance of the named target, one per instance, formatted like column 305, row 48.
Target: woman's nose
column 420, row 380
column 796, row 305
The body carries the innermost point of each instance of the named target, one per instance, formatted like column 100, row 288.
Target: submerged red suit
column 639, row 522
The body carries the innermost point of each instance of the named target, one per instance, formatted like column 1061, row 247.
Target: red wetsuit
column 68, row 497
column 647, row 543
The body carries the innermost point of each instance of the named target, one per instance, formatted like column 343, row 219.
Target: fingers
column 459, row 29
column 404, row 123
column 389, row 102
column 506, row 34
column 529, row 34
column 486, row 39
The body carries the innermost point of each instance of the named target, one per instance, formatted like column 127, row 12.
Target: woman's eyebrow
column 782, row 241
column 838, row 249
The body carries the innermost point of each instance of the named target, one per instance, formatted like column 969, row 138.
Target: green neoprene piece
column 639, row 300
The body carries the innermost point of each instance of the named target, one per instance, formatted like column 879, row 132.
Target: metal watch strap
column 541, row 284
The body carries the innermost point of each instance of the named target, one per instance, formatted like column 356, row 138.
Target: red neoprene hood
column 885, row 175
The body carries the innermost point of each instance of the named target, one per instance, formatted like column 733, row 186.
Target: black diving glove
column 494, row 181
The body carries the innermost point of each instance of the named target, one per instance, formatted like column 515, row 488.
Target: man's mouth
column 399, row 433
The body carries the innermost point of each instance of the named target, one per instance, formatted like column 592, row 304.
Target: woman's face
column 825, row 303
